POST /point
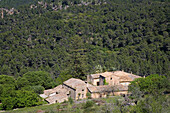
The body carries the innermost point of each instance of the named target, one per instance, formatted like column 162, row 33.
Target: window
column 82, row 89
column 110, row 78
column 98, row 84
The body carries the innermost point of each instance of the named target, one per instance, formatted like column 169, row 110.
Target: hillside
column 44, row 43
column 79, row 38
column 15, row 3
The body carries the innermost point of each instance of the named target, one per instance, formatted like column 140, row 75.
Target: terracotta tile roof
column 74, row 83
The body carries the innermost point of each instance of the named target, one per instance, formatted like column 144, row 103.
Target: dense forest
column 101, row 35
column 43, row 43
column 15, row 3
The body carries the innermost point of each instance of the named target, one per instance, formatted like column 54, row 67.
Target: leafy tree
column 153, row 84
column 152, row 104
column 135, row 31
column 38, row 89
column 20, row 99
column 5, row 79
column 37, row 78
column 78, row 57
column 63, row 77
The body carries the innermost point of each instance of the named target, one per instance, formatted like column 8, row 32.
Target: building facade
column 98, row 85
column 76, row 87
column 111, row 78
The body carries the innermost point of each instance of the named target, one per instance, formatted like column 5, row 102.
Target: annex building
column 97, row 85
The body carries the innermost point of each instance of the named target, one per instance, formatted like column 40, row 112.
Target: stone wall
column 72, row 91
column 81, row 92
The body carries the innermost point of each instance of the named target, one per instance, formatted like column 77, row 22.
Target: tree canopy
column 78, row 36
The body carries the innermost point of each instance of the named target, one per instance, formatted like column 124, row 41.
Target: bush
column 152, row 104
column 88, row 95
column 38, row 89
column 21, row 99
column 70, row 100
column 35, row 78
column 1, row 108
column 89, row 104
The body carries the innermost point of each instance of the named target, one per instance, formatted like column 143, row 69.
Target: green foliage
column 20, row 99
column 15, row 3
column 105, row 35
column 12, row 98
column 63, row 77
column 127, row 35
column 153, row 105
column 153, row 84
column 105, row 83
column 70, row 100
column 36, row 78
column 89, row 104
column 5, row 79
column 22, row 82
column 88, row 95
column 1, row 108
column 38, row 89
column 7, row 85
column 150, row 95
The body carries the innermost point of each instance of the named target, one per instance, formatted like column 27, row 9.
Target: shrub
column 88, row 104
column 88, row 95
column 70, row 100
column 38, row 89
column 21, row 99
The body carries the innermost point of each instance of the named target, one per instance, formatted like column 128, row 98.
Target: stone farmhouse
column 97, row 85
column 111, row 78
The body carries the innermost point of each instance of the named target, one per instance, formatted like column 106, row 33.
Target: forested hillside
column 78, row 38
column 15, row 3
